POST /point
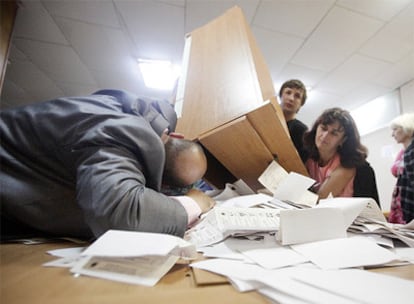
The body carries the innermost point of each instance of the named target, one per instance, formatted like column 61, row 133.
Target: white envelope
column 329, row 220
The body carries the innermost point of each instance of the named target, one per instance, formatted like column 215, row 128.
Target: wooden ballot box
column 226, row 101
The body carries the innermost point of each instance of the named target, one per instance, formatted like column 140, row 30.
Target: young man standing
column 292, row 97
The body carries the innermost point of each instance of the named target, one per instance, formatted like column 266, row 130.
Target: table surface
column 23, row 279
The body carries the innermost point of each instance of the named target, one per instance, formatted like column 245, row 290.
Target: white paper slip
column 67, row 262
column 246, row 201
column 231, row 247
column 144, row 270
column 294, row 188
column 328, row 220
column 370, row 208
column 280, row 296
column 272, row 176
column 132, row 257
column 345, row 253
column 288, row 186
column 287, row 290
column 67, row 252
column 272, row 258
column 68, row 257
column 118, row 243
column 309, row 225
column 360, row 285
column 239, row 188
column 232, row 268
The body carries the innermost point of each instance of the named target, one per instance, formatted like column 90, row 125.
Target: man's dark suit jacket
column 79, row 166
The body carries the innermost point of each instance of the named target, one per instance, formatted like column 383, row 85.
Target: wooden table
column 23, row 279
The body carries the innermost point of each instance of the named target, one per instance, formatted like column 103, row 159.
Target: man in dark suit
column 79, row 166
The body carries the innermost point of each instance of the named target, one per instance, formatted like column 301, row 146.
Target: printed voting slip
column 328, row 220
column 285, row 186
column 143, row 270
column 384, row 229
column 133, row 257
column 222, row 222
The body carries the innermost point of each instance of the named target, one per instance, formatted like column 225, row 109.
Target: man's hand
column 205, row 202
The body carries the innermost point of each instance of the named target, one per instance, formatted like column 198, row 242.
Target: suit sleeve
column 118, row 177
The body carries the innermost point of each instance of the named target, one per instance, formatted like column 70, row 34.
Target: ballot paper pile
column 307, row 252
column 126, row 256
column 302, row 255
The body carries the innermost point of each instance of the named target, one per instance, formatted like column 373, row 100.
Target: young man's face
column 291, row 100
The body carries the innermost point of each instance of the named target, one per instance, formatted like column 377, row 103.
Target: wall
column 383, row 148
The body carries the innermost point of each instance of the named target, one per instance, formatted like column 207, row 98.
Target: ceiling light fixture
column 159, row 74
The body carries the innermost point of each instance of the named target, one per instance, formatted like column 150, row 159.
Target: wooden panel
column 261, row 69
column 221, row 81
column 222, row 93
column 270, row 125
column 240, row 149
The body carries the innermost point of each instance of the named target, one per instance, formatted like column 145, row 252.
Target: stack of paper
column 367, row 226
column 131, row 257
column 310, row 258
column 222, row 222
column 317, row 272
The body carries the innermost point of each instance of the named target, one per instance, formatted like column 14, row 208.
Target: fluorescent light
column 159, row 74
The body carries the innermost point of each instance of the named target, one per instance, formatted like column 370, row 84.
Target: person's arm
column 336, row 182
column 195, row 203
column 111, row 190
column 119, row 166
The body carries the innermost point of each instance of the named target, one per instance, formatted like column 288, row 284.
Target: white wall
column 383, row 149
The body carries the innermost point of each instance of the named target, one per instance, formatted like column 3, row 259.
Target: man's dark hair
column 294, row 84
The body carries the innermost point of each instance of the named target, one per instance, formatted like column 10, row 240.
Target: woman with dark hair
column 336, row 154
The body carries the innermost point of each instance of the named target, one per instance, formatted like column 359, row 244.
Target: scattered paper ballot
column 133, row 257
column 308, row 284
column 288, row 186
column 222, row 222
column 272, row 176
column 328, row 220
column 345, row 253
column 246, row 201
column 360, row 286
column 275, row 257
column 68, row 257
column 232, row 247
column 294, row 188
column 264, row 251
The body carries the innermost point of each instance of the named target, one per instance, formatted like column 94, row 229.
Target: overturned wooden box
column 226, row 101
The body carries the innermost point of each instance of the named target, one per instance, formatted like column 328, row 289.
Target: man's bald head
column 185, row 162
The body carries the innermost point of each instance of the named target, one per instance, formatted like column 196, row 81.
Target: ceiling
column 347, row 51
